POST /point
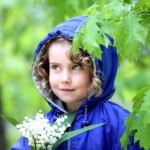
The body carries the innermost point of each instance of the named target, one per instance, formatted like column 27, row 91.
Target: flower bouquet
column 41, row 135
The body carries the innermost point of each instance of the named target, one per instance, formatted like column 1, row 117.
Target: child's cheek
column 53, row 80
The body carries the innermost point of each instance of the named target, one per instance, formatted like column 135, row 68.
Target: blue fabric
column 21, row 145
column 99, row 109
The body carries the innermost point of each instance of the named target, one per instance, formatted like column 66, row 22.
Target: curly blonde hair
column 41, row 65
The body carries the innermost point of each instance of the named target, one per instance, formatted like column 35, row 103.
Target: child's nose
column 66, row 77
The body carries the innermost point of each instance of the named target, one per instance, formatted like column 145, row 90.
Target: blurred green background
column 22, row 25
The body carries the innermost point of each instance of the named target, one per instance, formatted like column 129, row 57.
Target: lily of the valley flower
column 40, row 133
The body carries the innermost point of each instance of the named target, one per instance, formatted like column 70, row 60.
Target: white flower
column 40, row 132
column 68, row 125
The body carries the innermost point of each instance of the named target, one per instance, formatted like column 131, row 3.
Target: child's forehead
column 65, row 45
column 60, row 51
column 61, row 44
column 60, row 41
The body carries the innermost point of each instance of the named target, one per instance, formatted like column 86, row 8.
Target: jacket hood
column 106, row 68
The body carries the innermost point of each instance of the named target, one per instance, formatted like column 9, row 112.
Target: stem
column 144, row 12
column 33, row 148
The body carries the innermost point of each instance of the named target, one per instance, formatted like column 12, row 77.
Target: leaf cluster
column 138, row 123
column 127, row 24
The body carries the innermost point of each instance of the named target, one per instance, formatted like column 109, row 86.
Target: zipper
column 69, row 145
column 69, row 142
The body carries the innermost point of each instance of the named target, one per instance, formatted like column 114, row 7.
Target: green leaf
column 76, row 44
column 128, row 28
column 144, row 136
column 33, row 148
column 146, row 119
column 89, row 38
column 114, row 9
column 138, row 99
column 71, row 134
column 130, row 36
column 11, row 120
column 93, row 37
column 124, row 139
column 146, row 101
column 127, row 1
column 92, row 10
column 138, row 123
column 142, row 6
column 148, row 39
column 71, row 117
column 141, row 109
column 145, row 20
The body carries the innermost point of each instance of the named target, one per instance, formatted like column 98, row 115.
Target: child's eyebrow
column 56, row 63
column 51, row 63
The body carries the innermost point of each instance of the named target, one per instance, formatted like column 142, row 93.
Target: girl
column 74, row 83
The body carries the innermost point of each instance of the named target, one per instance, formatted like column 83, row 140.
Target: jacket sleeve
column 22, row 144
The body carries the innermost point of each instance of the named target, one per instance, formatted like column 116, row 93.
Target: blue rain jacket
column 94, row 110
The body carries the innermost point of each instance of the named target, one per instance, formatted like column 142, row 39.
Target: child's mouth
column 67, row 90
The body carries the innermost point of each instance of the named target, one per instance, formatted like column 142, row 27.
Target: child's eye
column 77, row 67
column 55, row 67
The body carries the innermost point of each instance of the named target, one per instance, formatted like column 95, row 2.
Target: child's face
column 69, row 81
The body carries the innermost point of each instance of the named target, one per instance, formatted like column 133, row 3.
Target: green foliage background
column 22, row 25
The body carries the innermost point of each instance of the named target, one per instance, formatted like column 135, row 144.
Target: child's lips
column 66, row 90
